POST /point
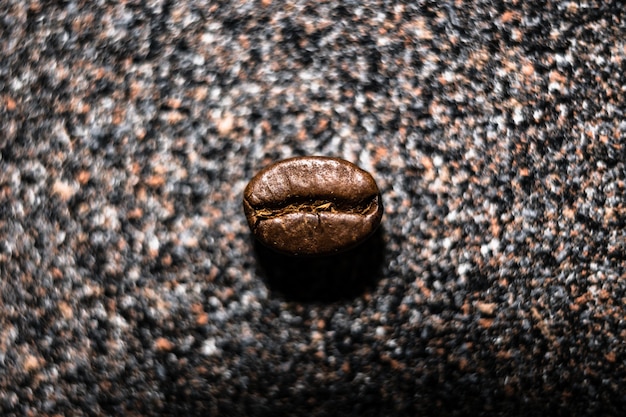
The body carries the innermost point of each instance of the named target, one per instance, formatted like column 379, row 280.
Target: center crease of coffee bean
column 317, row 206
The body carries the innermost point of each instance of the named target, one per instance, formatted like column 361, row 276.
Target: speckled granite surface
column 129, row 283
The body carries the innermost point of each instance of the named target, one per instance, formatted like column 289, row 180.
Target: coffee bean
column 312, row 206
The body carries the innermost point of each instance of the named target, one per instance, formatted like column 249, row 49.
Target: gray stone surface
column 128, row 281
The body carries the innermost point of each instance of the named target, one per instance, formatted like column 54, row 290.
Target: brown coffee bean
column 312, row 206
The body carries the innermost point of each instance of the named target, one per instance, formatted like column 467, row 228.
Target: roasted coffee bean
column 312, row 206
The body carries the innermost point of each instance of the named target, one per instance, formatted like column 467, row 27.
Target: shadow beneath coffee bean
column 325, row 279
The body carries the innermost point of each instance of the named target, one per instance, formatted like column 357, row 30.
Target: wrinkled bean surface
column 312, row 205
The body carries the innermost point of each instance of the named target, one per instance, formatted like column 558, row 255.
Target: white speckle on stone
column 554, row 86
column 380, row 331
column 60, row 134
column 220, row 316
column 437, row 161
column 249, row 300
column 356, row 326
column 198, row 60
column 452, row 216
column 560, row 59
column 208, row 38
column 181, row 289
column 188, row 239
column 111, row 220
column 463, row 268
column 214, row 94
column 392, row 343
column 518, row 116
column 153, row 244
column 448, row 76
column 209, row 347
column 215, row 302
column 365, row 161
column 471, row 154
column 369, row 124
column 118, row 321
column 133, row 273
column 60, row 237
